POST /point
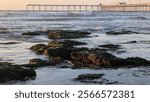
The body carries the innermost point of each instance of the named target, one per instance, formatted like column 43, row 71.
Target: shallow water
column 13, row 24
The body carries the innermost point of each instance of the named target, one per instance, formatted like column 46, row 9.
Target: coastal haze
column 21, row 4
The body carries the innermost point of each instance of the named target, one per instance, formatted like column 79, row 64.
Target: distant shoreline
column 12, row 10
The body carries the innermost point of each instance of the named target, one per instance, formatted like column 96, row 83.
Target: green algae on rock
column 39, row 48
column 11, row 72
column 65, row 34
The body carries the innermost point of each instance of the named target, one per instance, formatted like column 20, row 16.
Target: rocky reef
column 60, row 50
column 123, row 31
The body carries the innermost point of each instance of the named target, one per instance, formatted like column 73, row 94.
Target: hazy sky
column 21, row 4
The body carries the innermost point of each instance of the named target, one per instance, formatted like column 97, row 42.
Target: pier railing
column 80, row 8
column 67, row 8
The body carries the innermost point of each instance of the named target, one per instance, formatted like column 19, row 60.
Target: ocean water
column 13, row 24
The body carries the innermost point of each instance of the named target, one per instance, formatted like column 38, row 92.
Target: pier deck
column 80, row 8
column 68, row 8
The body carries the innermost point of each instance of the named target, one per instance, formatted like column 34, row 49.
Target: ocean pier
column 82, row 8
column 63, row 8
column 126, row 8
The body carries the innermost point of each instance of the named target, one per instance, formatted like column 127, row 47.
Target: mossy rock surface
column 65, row 43
column 39, row 48
column 65, row 34
column 10, row 72
column 102, row 59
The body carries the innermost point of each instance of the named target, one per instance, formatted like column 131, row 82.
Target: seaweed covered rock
column 64, row 34
column 101, row 59
column 10, row 72
column 94, row 60
column 124, row 31
column 65, row 43
column 57, row 55
column 39, row 48
column 55, row 44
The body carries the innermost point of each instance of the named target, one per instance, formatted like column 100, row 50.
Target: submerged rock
column 110, row 46
column 121, row 32
column 9, row 43
column 38, row 61
column 31, row 33
column 65, row 34
column 130, row 42
column 10, row 72
column 39, row 48
column 89, row 76
column 73, row 43
column 95, row 79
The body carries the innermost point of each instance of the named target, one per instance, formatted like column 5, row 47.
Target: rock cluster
column 60, row 50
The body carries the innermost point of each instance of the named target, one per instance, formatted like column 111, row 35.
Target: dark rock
column 121, row 32
column 128, row 62
column 137, row 61
column 101, row 59
column 95, row 50
column 35, row 63
column 89, row 76
column 31, row 33
column 10, row 43
column 70, row 43
column 110, row 46
column 10, row 72
column 94, row 60
column 63, row 53
column 39, row 48
column 38, row 61
column 130, row 42
column 65, row 34
column 56, row 59
column 65, row 43
column 101, row 82
column 141, row 18
column 57, row 55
